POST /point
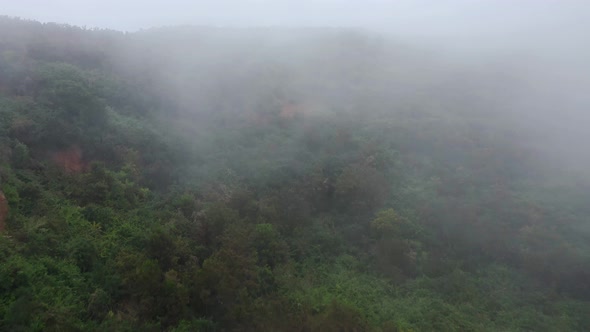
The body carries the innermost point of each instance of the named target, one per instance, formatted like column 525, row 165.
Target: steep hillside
column 203, row 179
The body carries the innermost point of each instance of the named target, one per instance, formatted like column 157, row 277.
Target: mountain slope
column 189, row 179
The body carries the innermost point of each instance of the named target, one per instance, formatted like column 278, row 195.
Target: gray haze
column 542, row 44
column 550, row 28
column 553, row 29
column 417, row 17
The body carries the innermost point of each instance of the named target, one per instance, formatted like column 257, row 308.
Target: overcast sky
column 417, row 16
column 487, row 23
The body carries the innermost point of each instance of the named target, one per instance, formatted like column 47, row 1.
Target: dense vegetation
column 200, row 179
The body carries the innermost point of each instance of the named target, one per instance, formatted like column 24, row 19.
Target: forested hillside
column 208, row 179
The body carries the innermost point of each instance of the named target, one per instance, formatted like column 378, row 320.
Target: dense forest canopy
column 281, row 179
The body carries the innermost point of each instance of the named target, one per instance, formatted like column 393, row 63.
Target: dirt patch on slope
column 70, row 160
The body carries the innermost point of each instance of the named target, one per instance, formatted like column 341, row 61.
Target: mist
column 263, row 165
column 523, row 65
column 526, row 62
column 542, row 43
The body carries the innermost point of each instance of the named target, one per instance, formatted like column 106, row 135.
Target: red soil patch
column 70, row 160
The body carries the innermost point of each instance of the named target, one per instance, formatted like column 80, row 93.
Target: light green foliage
column 270, row 248
column 386, row 223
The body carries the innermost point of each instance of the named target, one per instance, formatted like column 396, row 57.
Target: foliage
column 157, row 187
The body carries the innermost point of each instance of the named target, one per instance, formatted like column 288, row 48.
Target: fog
column 550, row 29
column 535, row 51
column 261, row 165
column 425, row 18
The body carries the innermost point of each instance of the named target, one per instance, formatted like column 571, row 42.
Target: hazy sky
column 415, row 16
column 458, row 25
